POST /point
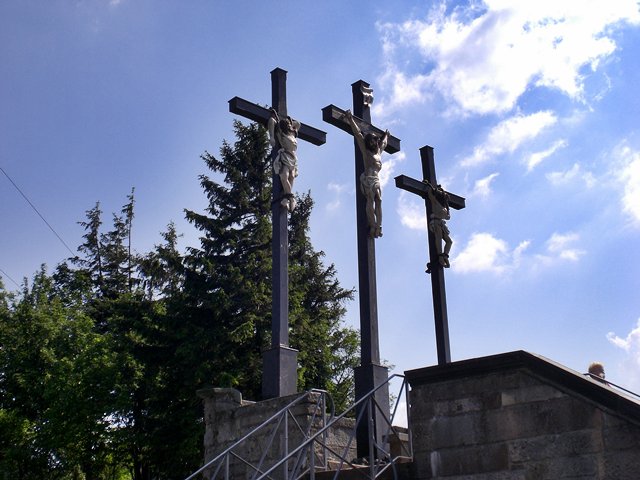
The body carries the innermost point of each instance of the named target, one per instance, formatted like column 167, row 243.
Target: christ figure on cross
column 371, row 146
column 284, row 133
column 439, row 200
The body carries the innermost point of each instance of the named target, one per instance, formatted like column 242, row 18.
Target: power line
column 6, row 275
column 36, row 210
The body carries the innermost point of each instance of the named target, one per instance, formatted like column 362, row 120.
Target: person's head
column 441, row 195
column 286, row 125
column 596, row 369
column 372, row 142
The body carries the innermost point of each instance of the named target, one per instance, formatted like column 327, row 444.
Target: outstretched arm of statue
column 383, row 140
column 357, row 133
column 271, row 126
column 348, row 116
column 295, row 124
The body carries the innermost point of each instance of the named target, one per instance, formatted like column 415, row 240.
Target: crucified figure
column 284, row 132
column 371, row 146
column 439, row 200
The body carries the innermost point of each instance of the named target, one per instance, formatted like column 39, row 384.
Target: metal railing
column 380, row 458
column 610, row 384
column 322, row 449
column 282, row 425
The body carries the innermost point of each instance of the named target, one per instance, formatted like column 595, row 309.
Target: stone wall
column 518, row 416
column 228, row 418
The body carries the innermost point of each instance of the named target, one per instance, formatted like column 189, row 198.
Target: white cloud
column 482, row 56
column 559, row 245
column 536, row 158
column 338, row 190
column 631, row 345
column 508, row 135
column 411, row 213
column 629, row 175
column 484, row 253
column 482, row 187
column 571, row 175
column 487, row 253
column 388, row 167
column 519, row 251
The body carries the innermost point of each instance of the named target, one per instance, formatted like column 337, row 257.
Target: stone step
column 402, row 472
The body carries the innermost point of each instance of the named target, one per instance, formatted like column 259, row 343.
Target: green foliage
column 328, row 350
column 55, row 387
column 100, row 361
column 230, row 274
column 232, row 268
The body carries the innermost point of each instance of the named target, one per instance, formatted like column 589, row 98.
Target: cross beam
column 261, row 115
column 370, row 373
column 436, row 269
column 280, row 363
column 335, row 116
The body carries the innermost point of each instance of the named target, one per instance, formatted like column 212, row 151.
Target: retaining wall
column 519, row 416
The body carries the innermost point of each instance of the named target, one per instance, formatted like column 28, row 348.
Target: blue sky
column 531, row 107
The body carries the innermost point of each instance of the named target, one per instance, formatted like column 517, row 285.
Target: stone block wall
column 228, row 418
column 518, row 416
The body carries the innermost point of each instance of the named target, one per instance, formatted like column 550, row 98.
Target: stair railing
column 318, row 451
column 380, row 458
column 280, row 422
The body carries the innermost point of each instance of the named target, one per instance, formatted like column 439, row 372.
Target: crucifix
column 369, row 141
column 280, row 362
column 437, row 203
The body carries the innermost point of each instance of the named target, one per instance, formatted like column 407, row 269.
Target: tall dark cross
column 370, row 373
column 435, row 268
column 280, row 362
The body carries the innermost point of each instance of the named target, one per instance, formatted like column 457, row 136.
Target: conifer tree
column 329, row 351
column 229, row 276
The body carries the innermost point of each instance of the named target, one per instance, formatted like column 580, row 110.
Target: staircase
column 312, row 443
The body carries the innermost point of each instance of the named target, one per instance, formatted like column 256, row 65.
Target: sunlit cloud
column 631, row 345
column 482, row 56
column 411, row 213
column 338, row 190
column 388, row 167
column 486, row 253
column 629, row 176
column 538, row 157
column 561, row 246
column 482, row 187
column 508, row 135
column 575, row 173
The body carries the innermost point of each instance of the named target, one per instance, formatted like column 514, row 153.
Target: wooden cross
column 370, row 373
column 279, row 376
column 434, row 267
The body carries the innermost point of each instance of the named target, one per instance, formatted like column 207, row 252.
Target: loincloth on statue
column 285, row 159
column 436, row 223
column 370, row 185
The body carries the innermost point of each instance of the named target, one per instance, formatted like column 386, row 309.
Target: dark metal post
column 370, row 374
column 280, row 362
column 438, row 290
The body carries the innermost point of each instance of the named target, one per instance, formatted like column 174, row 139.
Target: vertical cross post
column 280, row 362
column 370, row 374
column 436, row 270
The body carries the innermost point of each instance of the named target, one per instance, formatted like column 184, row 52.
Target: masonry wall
column 228, row 418
column 521, row 421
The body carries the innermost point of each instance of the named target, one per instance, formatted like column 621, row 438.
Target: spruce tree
column 329, row 351
column 229, row 276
